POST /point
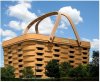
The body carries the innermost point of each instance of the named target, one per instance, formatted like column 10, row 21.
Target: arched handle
column 39, row 19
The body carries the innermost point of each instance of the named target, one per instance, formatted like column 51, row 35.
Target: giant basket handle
column 39, row 19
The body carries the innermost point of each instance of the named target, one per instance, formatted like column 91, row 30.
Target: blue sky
column 85, row 15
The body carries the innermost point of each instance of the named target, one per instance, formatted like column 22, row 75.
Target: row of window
column 9, row 52
column 19, row 55
column 56, row 50
column 72, row 47
column 18, row 60
column 71, row 61
column 39, row 59
column 40, row 48
column 72, row 52
column 37, row 70
column 56, row 55
column 39, row 65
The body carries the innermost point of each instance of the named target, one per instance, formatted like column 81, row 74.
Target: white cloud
column 46, row 26
column 85, row 39
column 94, row 43
column 63, row 25
column 15, row 25
column 21, row 11
column 1, row 31
column 74, row 14
column 7, row 34
column 7, row 38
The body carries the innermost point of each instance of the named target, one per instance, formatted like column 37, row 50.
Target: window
column 19, row 50
column 84, row 62
column 38, row 64
column 71, row 61
column 9, row 52
column 39, row 48
column 71, row 51
column 20, row 65
column 10, row 62
column 9, row 47
column 84, row 53
column 84, row 57
column 56, row 45
column 20, row 60
column 71, row 47
column 19, row 55
column 84, row 48
column 39, row 59
column 38, row 70
column 56, row 50
column 56, row 55
column 71, row 56
column 19, row 44
column 39, row 53
column 9, row 57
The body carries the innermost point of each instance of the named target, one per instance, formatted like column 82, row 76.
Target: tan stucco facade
column 35, row 51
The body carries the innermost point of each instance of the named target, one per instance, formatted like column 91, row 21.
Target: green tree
column 27, row 72
column 94, row 71
column 7, row 72
column 95, row 60
column 94, row 66
column 80, row 71
column 52, row 69
column 3, row 72
column 64, row 69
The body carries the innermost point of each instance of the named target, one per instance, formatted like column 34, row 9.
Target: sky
column 16, row 15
